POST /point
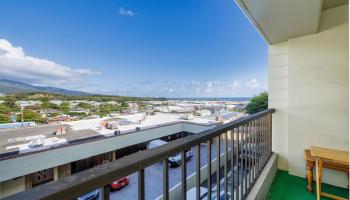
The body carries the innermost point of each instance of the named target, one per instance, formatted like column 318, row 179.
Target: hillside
column 12, row 87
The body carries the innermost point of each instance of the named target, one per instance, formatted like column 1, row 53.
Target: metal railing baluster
column 259, row 144
column 233, row 149
column 218, row 166
column 270, row 132
column 198, row 171
column 262, row 143
column 141, row 184
column 209, row 168
column 246, row 150
column 250, row 155
column 256, row 163
column 237, row 163
column 242, row 161
column 105, row 192
column 165, row 179
column 183, row 175
column 263, row 140
column 225, row 165
column 266, row 139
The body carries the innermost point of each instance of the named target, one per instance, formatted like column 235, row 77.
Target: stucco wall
column 278, row 99
column 309, row 87
column 318, row 94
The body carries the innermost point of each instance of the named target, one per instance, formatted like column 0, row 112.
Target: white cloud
column 194, row 88
column 207, row 86
column 235, row 85
column 124, row 12
column 252, row 84
column 15, row 64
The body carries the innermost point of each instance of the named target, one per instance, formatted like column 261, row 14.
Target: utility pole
column 22, row 114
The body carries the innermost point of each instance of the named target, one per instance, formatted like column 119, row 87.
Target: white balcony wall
column 319, row 92
column 278, row 99
column 309, row 87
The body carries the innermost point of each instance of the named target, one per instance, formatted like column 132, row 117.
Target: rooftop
column 146, row 121
column 15, row 141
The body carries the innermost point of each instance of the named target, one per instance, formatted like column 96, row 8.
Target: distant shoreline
column 213, row 98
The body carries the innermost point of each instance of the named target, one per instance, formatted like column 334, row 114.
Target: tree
column 4, row 119
column 4, row 109
column 77, row 114
column 258, row 103
column 84, row 105
column 10, row 101
column 124, row 104
column 45, row 104
column 116, row 107
column 53, row 106
column 104, row 109
column 65, row 107
column 29, row 115
column 141, row 105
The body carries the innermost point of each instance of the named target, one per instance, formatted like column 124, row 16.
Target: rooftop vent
column 36, row 143
column 112, row 125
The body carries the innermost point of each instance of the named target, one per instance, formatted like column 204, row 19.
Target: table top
column 331, row 154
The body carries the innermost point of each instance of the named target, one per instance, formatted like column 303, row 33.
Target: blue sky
column 183, row 48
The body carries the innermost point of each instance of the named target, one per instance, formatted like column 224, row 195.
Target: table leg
column 309, row 168
column 317, row 179
column 320, row 176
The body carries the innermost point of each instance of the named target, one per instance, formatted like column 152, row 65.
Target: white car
column 174, row 160
column 191, row 193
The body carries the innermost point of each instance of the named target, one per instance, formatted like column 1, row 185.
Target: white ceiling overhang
column 279, row 20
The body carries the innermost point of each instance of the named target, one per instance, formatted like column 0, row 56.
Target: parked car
column 90, row 195
column 191, row 193
column 117, row 184
column 174, row 160
column 222, row 196
column 189, row 154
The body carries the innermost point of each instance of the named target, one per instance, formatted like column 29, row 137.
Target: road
column 154, row 178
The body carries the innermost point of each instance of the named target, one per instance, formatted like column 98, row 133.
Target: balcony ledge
column 261, row 187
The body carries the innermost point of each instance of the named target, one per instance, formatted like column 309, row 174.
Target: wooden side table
column 341, row 157
column 311, row 162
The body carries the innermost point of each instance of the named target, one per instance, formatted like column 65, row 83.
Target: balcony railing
column 246, row 149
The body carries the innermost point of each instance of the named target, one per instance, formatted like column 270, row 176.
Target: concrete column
column 55, row 173
column 28, row 181
column 63, row 170
column 114, row 155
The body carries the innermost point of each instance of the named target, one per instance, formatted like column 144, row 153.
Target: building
column 28, row 103
column 72, row 139
column 59, row 119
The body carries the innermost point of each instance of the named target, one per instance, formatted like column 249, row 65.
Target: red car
column 117, row 184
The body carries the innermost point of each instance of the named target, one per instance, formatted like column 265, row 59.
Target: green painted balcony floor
column 288, row 187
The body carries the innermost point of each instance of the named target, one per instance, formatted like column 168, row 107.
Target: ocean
column 212, row 98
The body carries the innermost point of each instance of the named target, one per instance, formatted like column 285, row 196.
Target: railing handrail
column 97, row 177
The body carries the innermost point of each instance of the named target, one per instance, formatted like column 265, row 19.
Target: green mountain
column 12, row 87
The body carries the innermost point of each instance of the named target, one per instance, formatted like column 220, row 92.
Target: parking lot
column 154, row 178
